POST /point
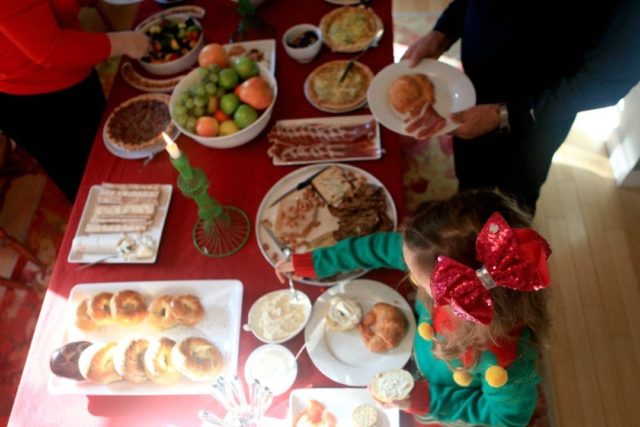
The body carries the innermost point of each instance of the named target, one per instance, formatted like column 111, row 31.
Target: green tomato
column 229, row 103
column 246, row 67
column 228, row 78
column 245, row 116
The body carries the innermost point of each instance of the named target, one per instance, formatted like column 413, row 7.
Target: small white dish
column 278, row 316
column 306, row 54
column 274, row 366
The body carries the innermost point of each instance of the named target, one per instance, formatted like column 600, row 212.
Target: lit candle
column 171, row 147
column 180, row 162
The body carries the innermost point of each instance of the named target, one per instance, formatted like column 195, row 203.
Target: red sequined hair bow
column 514, row 258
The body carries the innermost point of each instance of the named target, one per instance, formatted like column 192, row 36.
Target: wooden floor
column 594, row 229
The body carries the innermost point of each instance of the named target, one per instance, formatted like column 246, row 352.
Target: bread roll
column 64, row 361
column 392, row 385
column 128, row 359
column 96, row 363
column 158, row 364
column 365, row 416
column 383, row 327
column 410, row 91
column 197, row 359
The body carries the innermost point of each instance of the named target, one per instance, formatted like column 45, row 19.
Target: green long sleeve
column 378, row 250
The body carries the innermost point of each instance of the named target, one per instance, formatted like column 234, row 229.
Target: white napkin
column 96, row 244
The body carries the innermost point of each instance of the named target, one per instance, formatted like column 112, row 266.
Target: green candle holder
column 220, row 230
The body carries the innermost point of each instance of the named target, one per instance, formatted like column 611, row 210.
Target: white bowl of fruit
column 224, row 106
column 176, row 42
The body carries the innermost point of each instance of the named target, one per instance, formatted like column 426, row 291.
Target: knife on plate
column 275, row 239
column 299, row 186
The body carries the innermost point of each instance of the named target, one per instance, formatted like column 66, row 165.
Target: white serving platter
column 222, row 301
column 154, row 231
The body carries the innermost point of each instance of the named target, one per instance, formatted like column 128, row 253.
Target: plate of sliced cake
column 121, row 223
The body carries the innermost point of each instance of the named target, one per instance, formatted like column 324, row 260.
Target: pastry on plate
column 410, row 91
column 315, row 415
column 383, row 327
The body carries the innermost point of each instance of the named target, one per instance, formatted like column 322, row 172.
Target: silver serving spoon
column 287, row 253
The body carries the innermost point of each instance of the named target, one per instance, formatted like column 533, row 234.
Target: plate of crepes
column 334, row 407
column 359, row 329
column 350, row 28
column 134, row 129
column 417, row 101
column 324, row 139
column 137, row 338
column 319, row 205
column 123, row 222
column 324, row 90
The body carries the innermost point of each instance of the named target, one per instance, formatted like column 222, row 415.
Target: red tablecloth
column 239, row 177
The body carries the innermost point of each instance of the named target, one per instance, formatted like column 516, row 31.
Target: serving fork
column 374, row 42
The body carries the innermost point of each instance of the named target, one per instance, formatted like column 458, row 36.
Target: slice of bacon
column 424, row 121
column 317, row 141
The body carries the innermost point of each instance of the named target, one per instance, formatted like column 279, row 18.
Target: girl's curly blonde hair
column 450, row 228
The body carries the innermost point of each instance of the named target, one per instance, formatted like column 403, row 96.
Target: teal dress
column 499, row 390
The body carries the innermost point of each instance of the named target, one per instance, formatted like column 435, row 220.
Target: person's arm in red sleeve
column 35, row 31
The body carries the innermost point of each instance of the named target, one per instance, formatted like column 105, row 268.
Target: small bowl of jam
column 302, row 42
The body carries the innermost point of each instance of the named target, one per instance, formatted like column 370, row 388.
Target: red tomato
column 207, row 126
column 221, row 116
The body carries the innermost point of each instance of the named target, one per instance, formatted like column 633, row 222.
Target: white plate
column 222, row 301
column 342, row 356
column 267, row 47
column 154, row 231
column 338, row 121
column 138, row 154
column 340, row 402
column 454, row 92
column 328, row 222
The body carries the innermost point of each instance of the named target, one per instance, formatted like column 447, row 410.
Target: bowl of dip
column 274, row 366
column 278, row 316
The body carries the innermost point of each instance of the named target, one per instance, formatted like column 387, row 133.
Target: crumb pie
column 137, row 123
column 325, row 91
column 350, row 29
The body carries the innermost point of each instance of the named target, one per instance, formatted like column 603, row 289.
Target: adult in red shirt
column 51, row 100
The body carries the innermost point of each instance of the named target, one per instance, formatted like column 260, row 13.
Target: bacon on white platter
column 424, row 121
column 311, row 141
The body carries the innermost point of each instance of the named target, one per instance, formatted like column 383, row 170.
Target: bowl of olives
column 302, row 42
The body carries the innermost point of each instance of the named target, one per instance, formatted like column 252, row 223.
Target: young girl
column 481, row 306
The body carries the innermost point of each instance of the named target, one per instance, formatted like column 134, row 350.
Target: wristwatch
column 504, row 126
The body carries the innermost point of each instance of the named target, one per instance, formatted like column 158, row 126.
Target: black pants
column 57, row 128
column 516, row 164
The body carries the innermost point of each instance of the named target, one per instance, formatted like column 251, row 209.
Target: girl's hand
column 282, row 269
column 476, row 121
column 431, row 45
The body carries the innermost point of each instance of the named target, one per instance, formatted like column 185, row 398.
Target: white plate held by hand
column 454, row 92
column 343, row 356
